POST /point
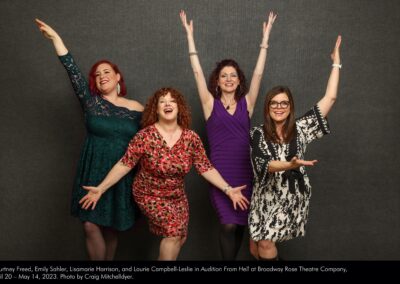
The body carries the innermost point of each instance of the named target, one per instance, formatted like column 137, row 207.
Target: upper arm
column 78, row 81
column 135, row 150
column 206, row 98
column 252, row 95
column 260, row 156
column 325, row 105
column 135, row 105
column 313, row 125
column 200, row 160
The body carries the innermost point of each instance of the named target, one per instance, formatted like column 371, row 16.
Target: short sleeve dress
column 158, row 187
column 277, row 211
column 109, row 130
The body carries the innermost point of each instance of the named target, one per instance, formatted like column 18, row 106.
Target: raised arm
column 95, row 192
column 326, row 103
column 205, row 96
column 234, row 193
column 55, row 38
column 251, row 97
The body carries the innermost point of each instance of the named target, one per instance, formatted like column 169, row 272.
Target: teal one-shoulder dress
column 109, row 130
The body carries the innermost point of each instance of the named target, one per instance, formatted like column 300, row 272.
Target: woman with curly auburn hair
column 111, row 120
column 228, row 106
column 150, row 113
column 166, row 149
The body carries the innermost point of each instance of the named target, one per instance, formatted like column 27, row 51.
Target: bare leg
column 267, row 250
column 170, row 248
column 111, row 241
column 95, row 243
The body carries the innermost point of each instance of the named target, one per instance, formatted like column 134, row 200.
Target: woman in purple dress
column 228, row 106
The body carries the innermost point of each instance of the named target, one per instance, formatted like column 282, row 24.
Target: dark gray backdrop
column 355, row 206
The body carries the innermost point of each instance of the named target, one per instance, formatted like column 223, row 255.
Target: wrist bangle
column 226, row 189
column 192, row 53
column 265, row 46
column 337, row 65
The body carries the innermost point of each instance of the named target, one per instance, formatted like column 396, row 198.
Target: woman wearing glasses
column 282, row 191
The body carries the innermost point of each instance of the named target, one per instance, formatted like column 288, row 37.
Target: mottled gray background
column 355, row 206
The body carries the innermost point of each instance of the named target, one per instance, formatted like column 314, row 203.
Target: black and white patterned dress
column 276, row 212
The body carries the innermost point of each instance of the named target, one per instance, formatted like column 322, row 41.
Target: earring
column 216, row 90
column 118, row 89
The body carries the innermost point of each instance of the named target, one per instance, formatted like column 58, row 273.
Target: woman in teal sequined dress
column 111, row 121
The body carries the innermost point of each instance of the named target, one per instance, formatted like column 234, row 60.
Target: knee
column 176, row 241
column 253, row 249
column 228, row 229
column 265, row 245
column 90, row 228
column 183, row 240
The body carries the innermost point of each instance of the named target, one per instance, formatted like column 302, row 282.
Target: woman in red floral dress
column 165, row 149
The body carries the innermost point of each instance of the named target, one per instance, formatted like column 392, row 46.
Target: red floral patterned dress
column 158, row 187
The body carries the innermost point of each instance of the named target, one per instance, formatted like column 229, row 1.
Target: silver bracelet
column 337, row 65
column 226, row 189
column 192, row 53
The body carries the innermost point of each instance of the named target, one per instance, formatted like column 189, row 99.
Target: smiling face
column 106, row 78
column 167, row 108
column 279, row 108
column 228, row 79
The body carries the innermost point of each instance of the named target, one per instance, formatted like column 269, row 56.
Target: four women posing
column 166, row 148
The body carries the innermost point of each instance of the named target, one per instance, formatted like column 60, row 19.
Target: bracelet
column 264, row 46
column 337, row 65
column 192, row 53
column 226, row 189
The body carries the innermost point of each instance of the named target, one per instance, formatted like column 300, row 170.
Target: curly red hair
column 150, row 116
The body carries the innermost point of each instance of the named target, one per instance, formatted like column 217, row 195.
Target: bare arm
column 55, row 38
column 278, row 166
column 95, row 192
column 251, row 97
column 326, row 103
column 206, row 98
column 235, row 194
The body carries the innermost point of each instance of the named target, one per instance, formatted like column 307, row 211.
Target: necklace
column 228, row 106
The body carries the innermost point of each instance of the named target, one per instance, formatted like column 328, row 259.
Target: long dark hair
column 213, row 79
column 289, row 128
column 92, row 78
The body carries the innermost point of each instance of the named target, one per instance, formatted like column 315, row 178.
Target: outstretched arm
column 278, row 166
column 205, row 96
column 95, row 192
column 251, row 97
column 234, row 193
column 55, row 38
column 326, row 103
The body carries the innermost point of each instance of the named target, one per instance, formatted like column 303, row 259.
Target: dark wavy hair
column 92, row 78
column 213, row 79
column 150, row 111
column 289, row 129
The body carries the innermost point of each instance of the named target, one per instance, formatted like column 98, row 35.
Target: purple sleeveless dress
column 229, row 140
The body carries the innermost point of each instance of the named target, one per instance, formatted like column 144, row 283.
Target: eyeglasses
column 282, row 104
